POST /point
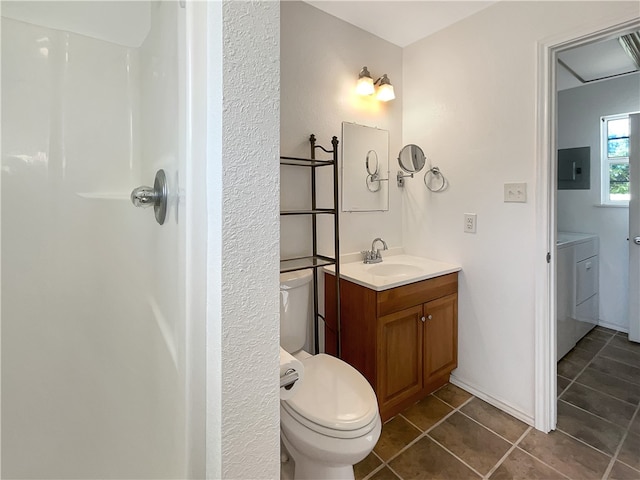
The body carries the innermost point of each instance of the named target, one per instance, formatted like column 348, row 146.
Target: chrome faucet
column 373, row 255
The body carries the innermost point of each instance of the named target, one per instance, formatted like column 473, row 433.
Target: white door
column 93, row 310
column 634, row 228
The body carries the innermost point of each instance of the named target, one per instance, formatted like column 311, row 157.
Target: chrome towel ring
column 434, row 180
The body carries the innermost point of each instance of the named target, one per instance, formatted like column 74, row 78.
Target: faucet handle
column 366, row 255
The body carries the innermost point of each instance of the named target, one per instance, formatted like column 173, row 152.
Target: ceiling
column 400, row 22
column 404, row 22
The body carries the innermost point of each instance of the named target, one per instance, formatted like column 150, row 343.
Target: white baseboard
column 613, row 326
column 502, row 405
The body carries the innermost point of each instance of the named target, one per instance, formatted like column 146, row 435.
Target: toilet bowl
column 332, row 421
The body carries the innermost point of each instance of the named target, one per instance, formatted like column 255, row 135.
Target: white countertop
column 393, row 271
column 571, row 238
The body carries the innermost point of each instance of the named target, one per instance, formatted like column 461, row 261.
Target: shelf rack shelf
column 317, row 211
column 301, row 263
column 317, row 261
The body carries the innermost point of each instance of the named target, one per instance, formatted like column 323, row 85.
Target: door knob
column 636, row 240
column 144, row 196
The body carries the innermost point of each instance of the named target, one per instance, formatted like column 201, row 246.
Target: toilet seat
column 334, row 400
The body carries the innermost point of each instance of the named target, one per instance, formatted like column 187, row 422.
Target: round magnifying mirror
column 411, row 158
column 372, row 162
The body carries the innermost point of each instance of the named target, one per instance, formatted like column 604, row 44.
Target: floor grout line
column 598, row 354
column 422, row 433
column 584, row 443
column 511, row 449
column 455, row 456
column 605, row 393
column 412, row 424
column 627, row 348
column 541, row 461
column 633, row 352
column 622, row 440
column 628, row 466
column 443, row 419
column 594, row 414
column 621, row 363
column 573, row 380
column 486, row 428
column 394, row 472
column 374, row 471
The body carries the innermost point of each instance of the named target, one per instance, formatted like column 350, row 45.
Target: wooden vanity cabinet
column 403, row 340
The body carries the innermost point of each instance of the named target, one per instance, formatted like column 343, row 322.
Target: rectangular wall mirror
column 365, row 168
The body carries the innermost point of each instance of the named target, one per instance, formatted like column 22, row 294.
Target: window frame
column 606, row 161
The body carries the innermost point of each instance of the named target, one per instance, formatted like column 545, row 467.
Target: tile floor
column 454, row 435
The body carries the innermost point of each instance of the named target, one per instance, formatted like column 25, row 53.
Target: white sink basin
column 393, row 271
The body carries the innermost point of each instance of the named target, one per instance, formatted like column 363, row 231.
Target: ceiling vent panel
column 598, row 61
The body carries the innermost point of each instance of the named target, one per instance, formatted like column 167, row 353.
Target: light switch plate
column 515, row 192
column 470, row 220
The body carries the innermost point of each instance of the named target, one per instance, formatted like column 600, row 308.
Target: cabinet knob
column 429, row 317
column 422, row 318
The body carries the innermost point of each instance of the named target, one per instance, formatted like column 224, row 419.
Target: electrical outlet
column 470, row 222
column 515, row 192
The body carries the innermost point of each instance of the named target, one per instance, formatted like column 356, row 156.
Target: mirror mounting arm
column 401, row 176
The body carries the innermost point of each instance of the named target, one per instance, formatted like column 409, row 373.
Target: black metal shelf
column 302, row 263
column 317, row 211
column 304, row 162
column 316, row 261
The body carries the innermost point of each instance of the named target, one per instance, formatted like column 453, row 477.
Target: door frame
column 634, row 210
column 546, row 203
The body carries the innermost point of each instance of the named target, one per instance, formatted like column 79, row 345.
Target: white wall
column 470, row 99
column 320, row 60
column 122, row 23
column 579, row 112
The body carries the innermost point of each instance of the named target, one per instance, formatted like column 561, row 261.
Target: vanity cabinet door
column 440, row 337
column 399, row 355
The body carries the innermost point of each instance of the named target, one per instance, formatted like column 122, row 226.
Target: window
column 615, row 159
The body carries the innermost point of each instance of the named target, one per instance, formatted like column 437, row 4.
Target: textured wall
column 470, row 95
column 250, row 240
column 579, row 112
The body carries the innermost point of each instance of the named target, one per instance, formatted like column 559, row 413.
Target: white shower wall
column 93, row 347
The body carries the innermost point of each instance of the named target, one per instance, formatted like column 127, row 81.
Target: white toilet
column 332, row 422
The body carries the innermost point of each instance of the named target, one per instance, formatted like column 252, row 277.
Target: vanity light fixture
column 366, row 86
column 385, row 89
column 365, row 83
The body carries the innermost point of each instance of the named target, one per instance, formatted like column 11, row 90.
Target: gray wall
column 320, row 60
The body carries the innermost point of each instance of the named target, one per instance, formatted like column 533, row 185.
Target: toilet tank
column 295, row 309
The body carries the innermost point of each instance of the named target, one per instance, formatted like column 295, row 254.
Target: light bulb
column 385, row 92
column 365, row 86
column 365, row 83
